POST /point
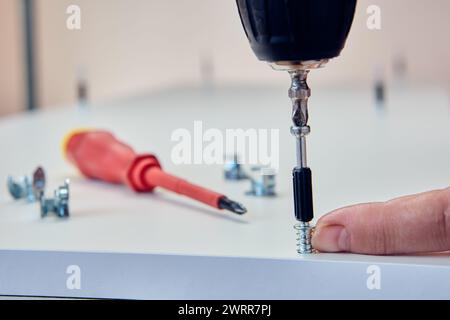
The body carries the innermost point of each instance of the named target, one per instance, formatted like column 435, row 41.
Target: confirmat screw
column 263, row 182
column 26, row 188
column 59, row 205
column 233, row 169
column 304, row 234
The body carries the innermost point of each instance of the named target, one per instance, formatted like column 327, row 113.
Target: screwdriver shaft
column 302, row 161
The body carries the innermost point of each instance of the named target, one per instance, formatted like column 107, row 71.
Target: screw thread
column 304, row 234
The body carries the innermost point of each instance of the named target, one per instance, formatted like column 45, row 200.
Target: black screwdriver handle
column 303, row 197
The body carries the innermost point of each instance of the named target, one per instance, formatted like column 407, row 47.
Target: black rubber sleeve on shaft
column 303, row 198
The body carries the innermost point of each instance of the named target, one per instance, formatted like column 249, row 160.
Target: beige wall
column 127, row 46
column 11, row 58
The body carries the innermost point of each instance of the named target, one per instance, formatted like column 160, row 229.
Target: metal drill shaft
column 300, row 134
column 302, row 161
column 299, row 93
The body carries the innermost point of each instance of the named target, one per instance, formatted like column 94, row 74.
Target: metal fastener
column 304, row 234
column 233, row 169
column 59, row 204
column 263, row 182
column 26, row 188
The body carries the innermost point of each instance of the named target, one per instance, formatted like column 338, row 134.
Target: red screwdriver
column 99, row 155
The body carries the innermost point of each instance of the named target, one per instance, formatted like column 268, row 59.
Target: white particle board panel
column 163, row 246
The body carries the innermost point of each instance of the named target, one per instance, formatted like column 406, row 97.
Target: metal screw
column 233, row 170
column 26, row 188
column 59, row 205
column 304, row 234
column 263, row 182
column 262, row 179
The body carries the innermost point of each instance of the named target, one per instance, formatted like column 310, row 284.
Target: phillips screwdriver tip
column 233, row 206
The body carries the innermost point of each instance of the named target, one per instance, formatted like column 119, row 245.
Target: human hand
column 412, row 224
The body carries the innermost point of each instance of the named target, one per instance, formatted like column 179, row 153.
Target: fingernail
column 331, row 238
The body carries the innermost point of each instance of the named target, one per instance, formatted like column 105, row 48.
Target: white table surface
column 357, row 152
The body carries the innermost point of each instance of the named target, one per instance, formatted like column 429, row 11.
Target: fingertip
column 333, row 230
column 336, row 217
column 331, row 238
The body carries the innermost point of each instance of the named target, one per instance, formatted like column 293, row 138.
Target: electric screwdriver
column 297, row 36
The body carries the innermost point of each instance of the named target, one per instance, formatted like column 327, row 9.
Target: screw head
column 59, row 204
column 263, row 182
column 233, row 169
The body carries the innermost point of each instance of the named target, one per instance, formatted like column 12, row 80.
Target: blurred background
column 126, row 48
